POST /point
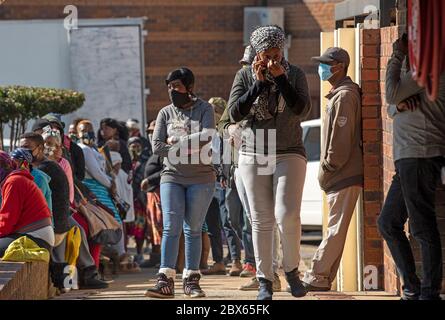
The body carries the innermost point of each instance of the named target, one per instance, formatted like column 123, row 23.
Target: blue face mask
column 324, row 71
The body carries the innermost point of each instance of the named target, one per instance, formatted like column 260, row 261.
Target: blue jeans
column 240, row 223
column 230, row 228
column 218, row 218
column 184, row 207
column 213, row 220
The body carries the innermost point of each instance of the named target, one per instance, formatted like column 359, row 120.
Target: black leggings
column 6, row 241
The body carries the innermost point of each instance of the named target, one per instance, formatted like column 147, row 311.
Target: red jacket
column 23, row 206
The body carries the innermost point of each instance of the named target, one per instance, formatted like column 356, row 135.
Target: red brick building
column 205, row 35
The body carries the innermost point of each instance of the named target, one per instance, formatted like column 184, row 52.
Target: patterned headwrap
column 23, row 155
column 264, row 38
column 7, row 165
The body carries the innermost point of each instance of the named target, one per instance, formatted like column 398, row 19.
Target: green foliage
column 20, row 104
column 25, row 103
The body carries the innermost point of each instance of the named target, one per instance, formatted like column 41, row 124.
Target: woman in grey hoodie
column 270, row 98
column 182, row 136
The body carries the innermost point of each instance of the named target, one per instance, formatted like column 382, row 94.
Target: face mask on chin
column 179, row 99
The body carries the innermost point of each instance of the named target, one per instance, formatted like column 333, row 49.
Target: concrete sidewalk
column 133, row 286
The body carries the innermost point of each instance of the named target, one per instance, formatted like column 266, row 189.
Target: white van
column 311, row 205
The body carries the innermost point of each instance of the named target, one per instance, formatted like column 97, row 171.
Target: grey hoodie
column 341, row 161
column 193, row 127
column 419, row 133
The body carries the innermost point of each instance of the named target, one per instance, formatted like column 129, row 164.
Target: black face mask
column 34, row 158
column 88, row 138
column 179, row 99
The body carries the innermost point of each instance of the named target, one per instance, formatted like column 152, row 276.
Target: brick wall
column 205, row 35
column 388, row 36
column 372, row 148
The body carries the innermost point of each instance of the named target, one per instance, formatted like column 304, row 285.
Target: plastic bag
column 25, row 250
column 73, row 240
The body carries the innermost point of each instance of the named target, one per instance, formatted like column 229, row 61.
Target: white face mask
column 49, row 151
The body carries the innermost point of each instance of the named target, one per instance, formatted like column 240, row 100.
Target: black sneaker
column 265, row 291
column 296, row 286
column 93, row 283
column 89, row 279
column 164, row 288
column 191, row 286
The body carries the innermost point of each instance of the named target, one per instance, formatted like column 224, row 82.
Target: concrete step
column 24, row 280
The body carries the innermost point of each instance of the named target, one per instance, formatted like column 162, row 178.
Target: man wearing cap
column 341, row 164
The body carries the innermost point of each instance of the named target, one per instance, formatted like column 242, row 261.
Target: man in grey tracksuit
column 419, row 150
column 341, row 165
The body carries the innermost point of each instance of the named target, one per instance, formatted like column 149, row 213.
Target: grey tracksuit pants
column 245, row 202
column 274, row 194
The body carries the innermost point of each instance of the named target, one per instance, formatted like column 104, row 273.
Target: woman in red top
column 23, row 210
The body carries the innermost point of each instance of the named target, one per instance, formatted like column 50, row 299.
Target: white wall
column 102, row 59
column 34, row 53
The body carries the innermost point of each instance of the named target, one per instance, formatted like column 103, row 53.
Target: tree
column 19, row 104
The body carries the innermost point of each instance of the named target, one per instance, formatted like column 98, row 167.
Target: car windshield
column 312, row 143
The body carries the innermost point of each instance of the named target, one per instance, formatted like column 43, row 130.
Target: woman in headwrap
column 23, row 210
column 271, row 98
column 54, row 151
column 23, row 159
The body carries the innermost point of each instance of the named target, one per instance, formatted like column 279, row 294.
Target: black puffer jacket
column 60, row 195
column 153, row 169
column 78, row 161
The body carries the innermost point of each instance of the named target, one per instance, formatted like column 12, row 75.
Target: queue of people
column 215, row 171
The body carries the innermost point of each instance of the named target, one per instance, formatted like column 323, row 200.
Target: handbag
column 122, row 206
column 103, row 228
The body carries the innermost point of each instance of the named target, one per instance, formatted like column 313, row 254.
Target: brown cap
column 334, row 54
